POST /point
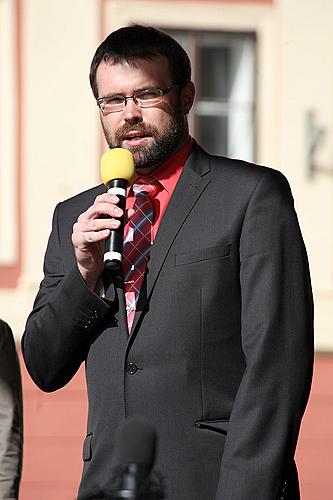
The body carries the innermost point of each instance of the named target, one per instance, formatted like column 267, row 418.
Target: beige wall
column 8, row 109
column 60, row 142
column 61, row 137
column 60, row 118
column 306, row 79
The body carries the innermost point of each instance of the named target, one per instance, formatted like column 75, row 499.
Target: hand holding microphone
column 104, row 220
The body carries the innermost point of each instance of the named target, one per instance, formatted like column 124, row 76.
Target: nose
column 132, row 112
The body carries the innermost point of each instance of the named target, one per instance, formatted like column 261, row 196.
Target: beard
column 164, row 142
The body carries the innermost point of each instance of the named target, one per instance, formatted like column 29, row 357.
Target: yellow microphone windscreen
column 117, row 163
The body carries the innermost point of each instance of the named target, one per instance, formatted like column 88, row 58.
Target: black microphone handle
column 132, row 479
column 135, row 475
column 135, row 483
column 114, row 244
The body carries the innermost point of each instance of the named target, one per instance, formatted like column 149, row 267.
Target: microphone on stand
column 135, row 448
column 117, row 172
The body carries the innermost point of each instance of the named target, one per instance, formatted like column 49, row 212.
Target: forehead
column 126, row 78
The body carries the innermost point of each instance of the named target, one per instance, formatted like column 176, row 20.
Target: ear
column 187, row 95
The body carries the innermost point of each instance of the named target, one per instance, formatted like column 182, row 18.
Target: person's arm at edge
column 11, row 416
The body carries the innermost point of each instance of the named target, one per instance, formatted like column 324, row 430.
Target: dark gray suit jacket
column 11, row 416
column 220, row 356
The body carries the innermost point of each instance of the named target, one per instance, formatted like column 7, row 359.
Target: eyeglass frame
column 163, row 92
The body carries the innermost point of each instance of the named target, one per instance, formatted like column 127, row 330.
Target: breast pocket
column 202, row 255
column 220, row 426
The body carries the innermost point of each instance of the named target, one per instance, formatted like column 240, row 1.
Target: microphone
column 117, row 173
column 135, row 447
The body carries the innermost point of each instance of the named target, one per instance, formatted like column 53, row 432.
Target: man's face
column 152, row 134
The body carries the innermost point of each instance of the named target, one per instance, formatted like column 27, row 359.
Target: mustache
column 145, row 129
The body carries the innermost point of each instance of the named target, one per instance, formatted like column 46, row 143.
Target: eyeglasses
column 143, row 98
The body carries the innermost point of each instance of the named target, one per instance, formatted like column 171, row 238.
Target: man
column 218, row 355
column 11, row 416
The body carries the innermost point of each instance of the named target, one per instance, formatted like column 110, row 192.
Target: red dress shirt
column 167, row 174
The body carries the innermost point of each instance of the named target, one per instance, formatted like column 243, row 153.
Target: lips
column 135, row 134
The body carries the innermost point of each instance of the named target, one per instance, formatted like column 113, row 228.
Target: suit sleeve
column 66, row 316
column 11, row 416
column 277, row 341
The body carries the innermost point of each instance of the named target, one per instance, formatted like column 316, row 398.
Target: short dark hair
column 141, row 42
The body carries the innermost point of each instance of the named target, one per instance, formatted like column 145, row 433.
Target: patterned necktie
column 137, row 243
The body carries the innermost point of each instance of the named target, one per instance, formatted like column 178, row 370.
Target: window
column 223, row 68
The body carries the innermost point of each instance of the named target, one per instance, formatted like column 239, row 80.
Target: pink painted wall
column 55, row 428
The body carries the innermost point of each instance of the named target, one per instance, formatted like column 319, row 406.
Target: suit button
column 95, row 315
column 132, row 368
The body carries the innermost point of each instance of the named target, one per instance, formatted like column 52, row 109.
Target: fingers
column 105, row 205
column 130, row 212
column 90, row 231
column 95, row 224
column 83, row 236
column 103, row 214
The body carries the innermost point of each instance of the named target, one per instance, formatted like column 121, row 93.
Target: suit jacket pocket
column 202, row 254
column 87, row 452
column 220, row 426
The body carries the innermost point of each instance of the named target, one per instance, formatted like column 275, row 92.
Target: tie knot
column 146, row 186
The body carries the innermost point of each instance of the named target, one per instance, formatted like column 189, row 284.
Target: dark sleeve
column 66, row 316
column 11, row 416
column 277, row 340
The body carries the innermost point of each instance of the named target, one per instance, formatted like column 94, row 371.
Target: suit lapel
column 192, row 182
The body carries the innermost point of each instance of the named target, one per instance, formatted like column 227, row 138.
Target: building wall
column 52, row 133
column 55, row 429
column 50, row 140
column 55, row 132
column 305, row 85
